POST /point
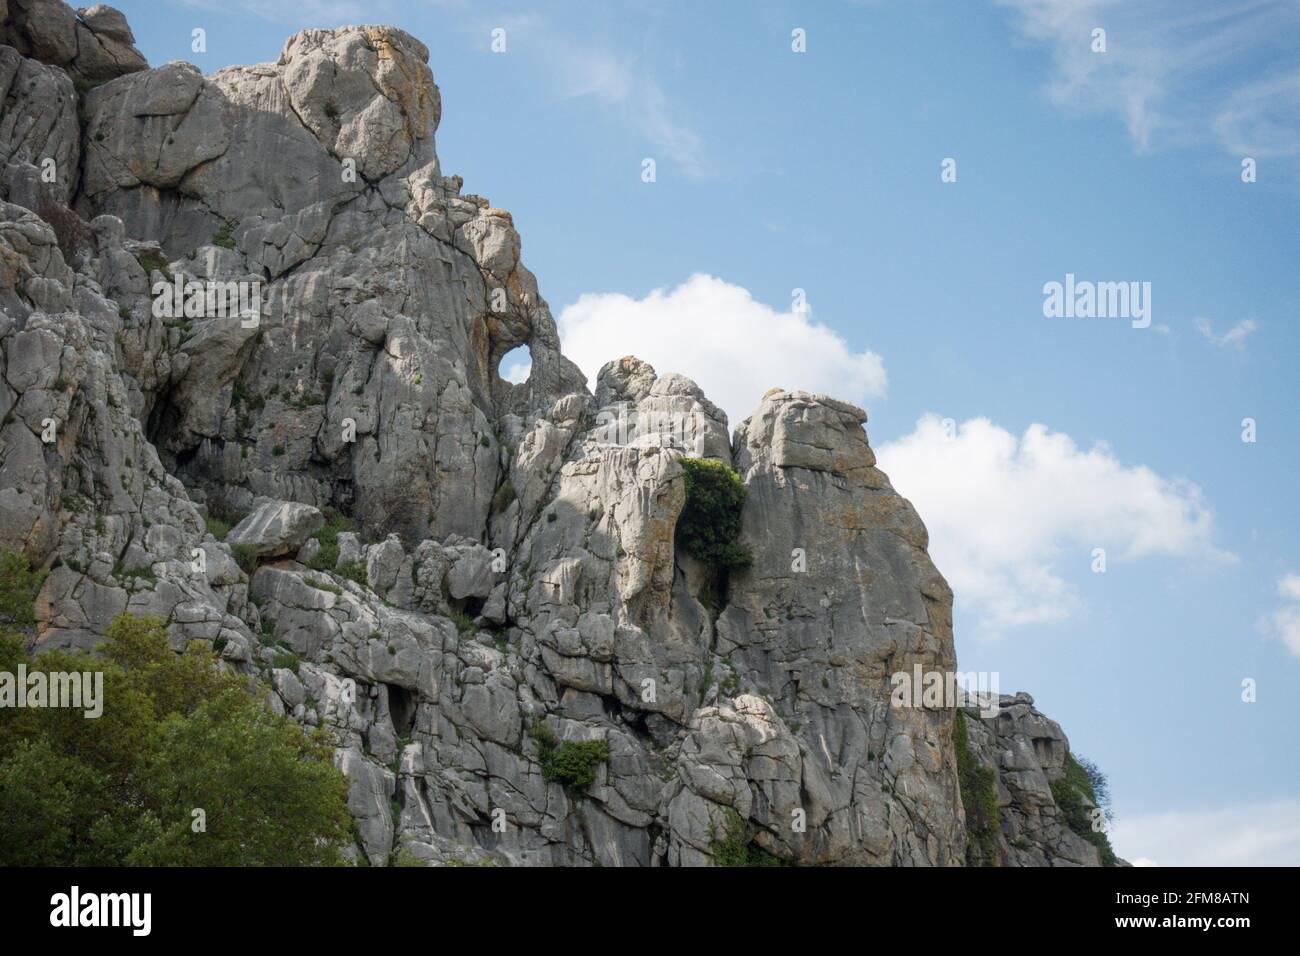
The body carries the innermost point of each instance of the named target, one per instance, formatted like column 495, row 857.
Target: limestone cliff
column 458, row 575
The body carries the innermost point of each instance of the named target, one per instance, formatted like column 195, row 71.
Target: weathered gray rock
column 94, row 44
column 39, row 132
column 276, row 527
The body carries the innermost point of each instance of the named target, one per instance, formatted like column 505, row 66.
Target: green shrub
column 216, row 527
column 355, row 571
column 737, row 847
column 245, row 556
column 979, row 798
column 572, row 763
column 327, row 558
column 176, row 734
column 19, row 585
column 153, row 262
column 1075, row 797
column 710, row 521
column 222, row 237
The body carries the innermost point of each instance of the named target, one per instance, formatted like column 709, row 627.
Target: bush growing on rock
column 710, row 521
column 737, row 847
column 176, row 735
column 245, row 556
column 328, row 556
column 979, row 798
column 572, row 763
column 1076, row 797
column 19, row 585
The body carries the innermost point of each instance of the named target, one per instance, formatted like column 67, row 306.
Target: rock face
column 1027, row 752
column 511, row 587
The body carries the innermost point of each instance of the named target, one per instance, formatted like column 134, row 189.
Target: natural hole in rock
column 516, row 364
column 401, row 709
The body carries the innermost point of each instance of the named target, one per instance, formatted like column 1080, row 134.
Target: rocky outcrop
column 460, row 577
column 1026, row 751
column 841, row 596
column 93, row 44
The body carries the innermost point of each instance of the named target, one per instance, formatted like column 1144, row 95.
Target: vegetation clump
column 222, row 237
column 572, row 763
column 710, row 521
column 354, row 571
column 737, row 847
column 245, row 556
column 327, row 558
column 152, row 261
column 19, row 585
column 979, row 798
column 184, row 766
column 216, row 527
column 1082, row 790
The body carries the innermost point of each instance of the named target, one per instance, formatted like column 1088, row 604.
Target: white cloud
column 1235, row 337
column 1259, row 834
column 734, row 347
column 1004, row 513
column 1177, row 71
column 1284, row 623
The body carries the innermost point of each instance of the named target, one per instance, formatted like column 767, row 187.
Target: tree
column 177, row 735
column 710, row 520
column 19, row 585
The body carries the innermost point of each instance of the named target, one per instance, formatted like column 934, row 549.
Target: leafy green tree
column 268, row 792
column 19, row 585
column 40, row 797
column 710, row 520
column 177, row 734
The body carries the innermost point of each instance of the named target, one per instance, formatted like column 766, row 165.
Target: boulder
column 276, row 528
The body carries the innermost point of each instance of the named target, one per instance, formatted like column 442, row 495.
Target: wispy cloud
column 1257, row 834
column 1284, row 623
column 1234, row 338
column 581, row 67
column 1177, row 71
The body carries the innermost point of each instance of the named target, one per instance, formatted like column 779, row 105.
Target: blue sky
column 820, row 171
